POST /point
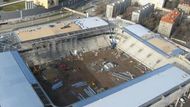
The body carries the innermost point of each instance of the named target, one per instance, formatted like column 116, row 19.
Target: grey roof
column 90, row 22
column 138, row 31
column 140, row 91
column 15, row 83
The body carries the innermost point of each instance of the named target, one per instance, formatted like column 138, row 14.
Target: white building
column 141, row 14
column 114, row 9
column 168, row 22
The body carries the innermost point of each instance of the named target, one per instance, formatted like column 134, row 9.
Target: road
column 10, row 27
column 39, row 10
column 13, row 26
column 26, row 13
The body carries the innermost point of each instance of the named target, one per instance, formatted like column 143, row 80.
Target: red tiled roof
column 171, row 17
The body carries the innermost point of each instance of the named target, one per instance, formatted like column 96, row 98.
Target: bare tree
column 127, row 14
column 101, row 9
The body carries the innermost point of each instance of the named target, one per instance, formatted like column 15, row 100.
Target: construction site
column 74, row 60
column 86, row 59
column 77, row 77
column 76, row 69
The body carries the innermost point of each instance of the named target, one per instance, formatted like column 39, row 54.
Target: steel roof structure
column 144, row 35
column 16, row 82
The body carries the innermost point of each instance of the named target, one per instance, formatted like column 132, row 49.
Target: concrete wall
column 63, row 48
column 109, row 11
column 165, row 28
column 135, row 16
column 165, row 101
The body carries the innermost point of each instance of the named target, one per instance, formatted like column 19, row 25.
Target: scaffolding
column 57, row 46
column 8, row 42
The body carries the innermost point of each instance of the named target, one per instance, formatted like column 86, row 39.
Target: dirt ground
column 85, row 67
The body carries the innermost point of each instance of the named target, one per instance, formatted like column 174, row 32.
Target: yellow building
column 46, row 3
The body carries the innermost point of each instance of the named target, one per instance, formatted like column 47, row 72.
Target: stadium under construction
column 94, row 62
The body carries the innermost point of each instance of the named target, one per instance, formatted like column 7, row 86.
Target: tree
column 101, row 9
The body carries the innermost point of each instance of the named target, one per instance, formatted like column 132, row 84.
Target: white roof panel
column 145, row 35
column 139, row 30
column 90, row 22
column 139, row 91
column 15, row 89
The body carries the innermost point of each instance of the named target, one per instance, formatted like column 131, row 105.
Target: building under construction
column 81, row 62
column 71, row 61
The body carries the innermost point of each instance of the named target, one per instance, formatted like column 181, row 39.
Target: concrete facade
column 165, row 28
column 114, row 9
column 168, row 22
column 142, row 13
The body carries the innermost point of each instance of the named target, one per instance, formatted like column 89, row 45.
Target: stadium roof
column 15, row 83
column 90, row 22
column 140, row 91
column 52, row 29
column 139, row 30
column 153, row 40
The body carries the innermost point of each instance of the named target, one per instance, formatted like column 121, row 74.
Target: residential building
column 168, row 22
column 115, row 9
column 143, row 13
